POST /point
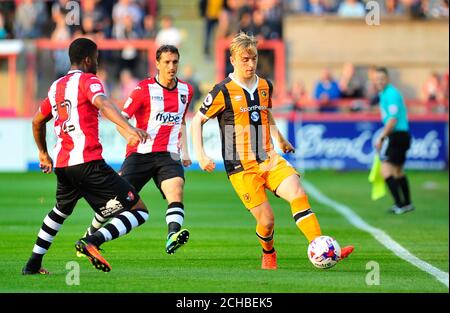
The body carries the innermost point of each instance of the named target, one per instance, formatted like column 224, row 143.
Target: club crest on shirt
column 208, row 100
column 246, row 197
column 183, row 99
column 263, row 93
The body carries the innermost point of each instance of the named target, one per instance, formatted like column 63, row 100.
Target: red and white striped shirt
column 70, row 101
column 160, row 111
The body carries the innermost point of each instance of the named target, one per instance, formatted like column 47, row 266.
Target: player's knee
column 140, row 205
column 267, row 223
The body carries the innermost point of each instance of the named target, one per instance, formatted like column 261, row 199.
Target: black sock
column 404, row 188
column 394, row 188
column 35, row 261
column 173, row 227
column 269, row 252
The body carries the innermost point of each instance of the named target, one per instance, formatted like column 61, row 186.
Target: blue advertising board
column 349, row 145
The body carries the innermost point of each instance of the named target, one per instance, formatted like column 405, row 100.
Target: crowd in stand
column 141, row 19
column 355, row 91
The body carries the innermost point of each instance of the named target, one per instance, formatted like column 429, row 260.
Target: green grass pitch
column 223, row 254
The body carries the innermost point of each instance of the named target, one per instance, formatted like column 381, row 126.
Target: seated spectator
column 29, row 19
column 370, row 89
column 229, row 19
column 351, row 9
column 260, row 29
column 123, row 11
column 3, row 32
column 273, row 14
column 169, row 34
column 189, row 77
column 129, row 54
column 150, row 27
column 349, row 84
column 127, row 83
column 439, row 9
column 61, row 33
column 431, row 89
column 326, row 92
column 97, row 14
column 298, row 98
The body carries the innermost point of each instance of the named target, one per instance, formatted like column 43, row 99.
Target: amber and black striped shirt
column 243, row 120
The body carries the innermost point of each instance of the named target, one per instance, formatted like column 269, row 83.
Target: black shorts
column 105, row 191
column 139, row 168
column 396, row 146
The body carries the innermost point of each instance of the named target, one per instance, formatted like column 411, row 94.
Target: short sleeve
column 92, row 87
column 45, row 108
column 393, row 106
column 133, row 102
column 213, row 104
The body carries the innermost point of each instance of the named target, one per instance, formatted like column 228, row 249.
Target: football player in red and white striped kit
column 74, row 102
column 159, row 106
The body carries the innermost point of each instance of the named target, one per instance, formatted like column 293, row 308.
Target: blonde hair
column 243, row 42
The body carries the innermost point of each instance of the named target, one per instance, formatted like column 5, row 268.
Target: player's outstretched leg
column 118, row 226
column 177, row 240
column 346, row 251
column 49, row 229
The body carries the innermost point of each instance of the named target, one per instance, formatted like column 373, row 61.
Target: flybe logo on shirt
column 168, row 118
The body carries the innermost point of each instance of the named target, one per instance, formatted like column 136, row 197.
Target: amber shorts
column 251, row 184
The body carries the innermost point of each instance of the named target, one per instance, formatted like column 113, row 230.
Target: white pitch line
column 378, row 234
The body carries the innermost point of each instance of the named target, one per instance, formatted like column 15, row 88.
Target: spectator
column 370, row 89
column 29, row 19
column 259, row 28
column 439, row 9
column 189, row 77
column 169, row 34
column 129, row 54
column 326, row 92
column 351, row 9
column 228, row 25
column 210, row 10
column 295, row 6
column 3, row 32
column 127, row 85
column 273, row 13
column 444, row 87
column 123, row 10
column 315, row 7
column 97, row 14
column 298, row 97
column 150, row 27
column 245, row 20
column 349, row 84
column 431, row 89
column 61, row 33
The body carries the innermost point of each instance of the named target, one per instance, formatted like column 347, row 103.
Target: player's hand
column 137, row 135
column 286, row 147
column 207, row 164
column 45, row 162
column 186, row 162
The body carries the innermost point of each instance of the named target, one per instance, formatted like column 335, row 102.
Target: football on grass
column 324, row 252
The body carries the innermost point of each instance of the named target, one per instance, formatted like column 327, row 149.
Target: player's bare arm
column 388, row 128
column 39, row 133
column 111, row 112
column 284, row 145
column 185, row 158
column 204, row 161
